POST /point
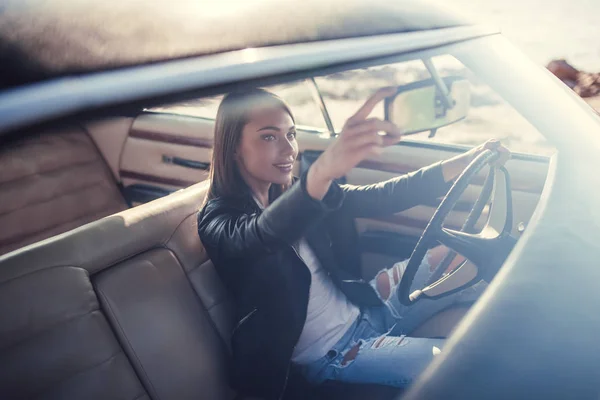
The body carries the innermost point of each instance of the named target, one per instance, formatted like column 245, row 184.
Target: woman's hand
column 359, row 139
column 492, row 144
column 453, row 167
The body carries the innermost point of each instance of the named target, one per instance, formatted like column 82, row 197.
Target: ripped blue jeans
column 383, row 353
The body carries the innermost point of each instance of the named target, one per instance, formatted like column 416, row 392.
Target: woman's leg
column 387, row 360
column 408, row 318
column 367, row 354
column 380, row 359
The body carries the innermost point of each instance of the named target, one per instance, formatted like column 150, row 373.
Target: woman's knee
column 438, row 253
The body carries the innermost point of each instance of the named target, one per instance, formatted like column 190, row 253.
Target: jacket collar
column 246, row 200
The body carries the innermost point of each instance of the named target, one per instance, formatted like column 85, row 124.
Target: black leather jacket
column 253, row 254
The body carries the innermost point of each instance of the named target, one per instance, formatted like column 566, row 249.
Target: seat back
column 50, row 183
column 55, row 342
column 129, row 303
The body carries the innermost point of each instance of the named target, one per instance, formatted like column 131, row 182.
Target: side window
column 298, row 95
column 489, row 116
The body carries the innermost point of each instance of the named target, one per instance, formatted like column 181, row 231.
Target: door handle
column 183, row 162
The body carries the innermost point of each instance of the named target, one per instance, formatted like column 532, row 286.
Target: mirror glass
column 428, row 105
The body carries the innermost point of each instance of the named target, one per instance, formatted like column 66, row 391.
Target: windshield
column 487, row 114
column 544, row 101
column 510, row 98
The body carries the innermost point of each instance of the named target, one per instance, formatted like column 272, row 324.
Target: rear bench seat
column 106, row 311
column 127, row 307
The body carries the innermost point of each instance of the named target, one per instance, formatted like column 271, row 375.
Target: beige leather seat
column 127, row 307
column 51, row 183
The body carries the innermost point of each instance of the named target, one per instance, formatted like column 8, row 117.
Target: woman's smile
column 285, row 167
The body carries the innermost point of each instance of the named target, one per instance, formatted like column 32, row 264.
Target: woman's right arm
column 358, row 140
column 231, row 233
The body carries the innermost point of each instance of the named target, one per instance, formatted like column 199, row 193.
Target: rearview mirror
column 429, row 104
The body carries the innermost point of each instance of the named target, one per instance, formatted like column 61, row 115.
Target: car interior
column 107, row 281
column 106, row 291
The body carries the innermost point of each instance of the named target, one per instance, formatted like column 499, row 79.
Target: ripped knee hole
column 351, row 354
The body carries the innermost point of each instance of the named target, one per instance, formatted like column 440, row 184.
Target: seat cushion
column 203, row 276
column 215, row 298
column 159, row 331
column 167, row 333
column 51, row 183
column 55, row 343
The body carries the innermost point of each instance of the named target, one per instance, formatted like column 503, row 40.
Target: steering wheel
column 486, row 250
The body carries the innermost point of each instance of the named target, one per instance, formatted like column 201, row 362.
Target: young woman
column 286, row 248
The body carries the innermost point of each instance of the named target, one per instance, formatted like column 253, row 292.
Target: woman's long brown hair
column 233, row 114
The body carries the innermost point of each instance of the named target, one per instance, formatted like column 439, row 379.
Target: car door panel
column 157, row 141
column 150, row 161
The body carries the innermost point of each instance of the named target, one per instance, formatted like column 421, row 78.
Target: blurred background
column 543, row 29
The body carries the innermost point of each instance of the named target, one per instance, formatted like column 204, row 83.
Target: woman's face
column 268, row 148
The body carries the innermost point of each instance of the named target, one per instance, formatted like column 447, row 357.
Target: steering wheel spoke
column 475, row 247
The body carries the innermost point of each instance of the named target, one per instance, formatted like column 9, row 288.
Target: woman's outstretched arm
column 419, row 187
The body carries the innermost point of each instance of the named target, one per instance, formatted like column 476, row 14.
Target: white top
column 329, row 313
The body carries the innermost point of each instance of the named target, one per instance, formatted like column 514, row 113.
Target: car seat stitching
column 78, row 164
column 86, row 186
column 166, row 243
column 190, row 283
column 210, row 318
column 222, row 298
column 87, row 369
column 48, row 329
column 140, row 396
column 104, row 298
column 42, row 269
column 215, row 304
